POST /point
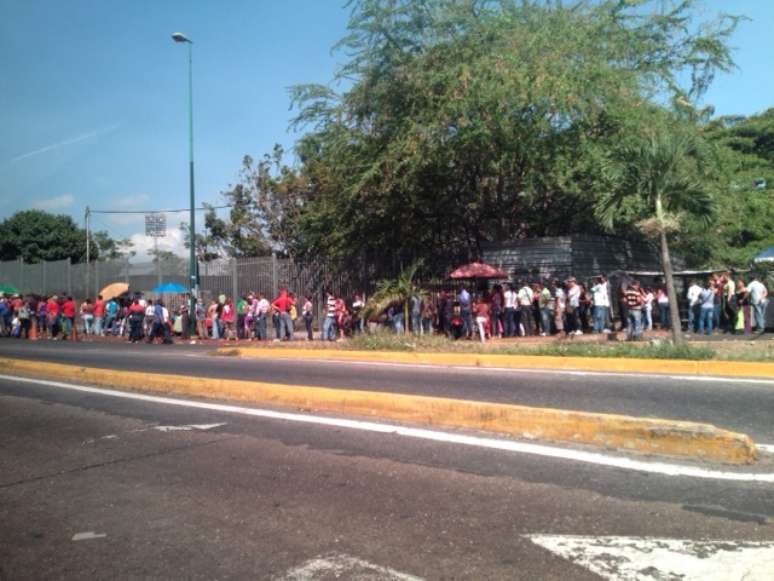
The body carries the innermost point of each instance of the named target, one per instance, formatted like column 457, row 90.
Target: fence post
column 44, row 290
column 126, row 271
column 234, row 280
column 69, row 276
column 21, row 275
column 274, row 288
column 96, row 279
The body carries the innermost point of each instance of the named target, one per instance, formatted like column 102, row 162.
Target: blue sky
column 93, row 95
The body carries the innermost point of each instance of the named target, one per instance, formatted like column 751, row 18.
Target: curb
column 761, row 370
column 650, row 436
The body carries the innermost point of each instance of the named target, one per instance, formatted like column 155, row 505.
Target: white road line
column 648, row 558
column 434, row 435
column 766, row 448
column 340, row 566
column 87, row 536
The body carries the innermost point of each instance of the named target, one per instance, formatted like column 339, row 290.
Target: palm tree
column 399, row 290
column 661, row 177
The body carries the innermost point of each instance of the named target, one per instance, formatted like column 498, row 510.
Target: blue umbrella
column 170, row 288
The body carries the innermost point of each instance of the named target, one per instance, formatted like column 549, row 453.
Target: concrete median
column 644, row 435
column 705, row 368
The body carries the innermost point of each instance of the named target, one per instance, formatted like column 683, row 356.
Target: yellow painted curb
column 652, row 436
column 608, row 364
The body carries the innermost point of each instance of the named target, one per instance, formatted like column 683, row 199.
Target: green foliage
column 396, row 292
column 470, row 121
column 746, row 203
column 35, row 235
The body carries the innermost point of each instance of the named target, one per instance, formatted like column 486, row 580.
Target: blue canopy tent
column 170, row 288
column 765, row 256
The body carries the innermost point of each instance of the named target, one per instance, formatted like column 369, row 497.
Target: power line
column 159, row 211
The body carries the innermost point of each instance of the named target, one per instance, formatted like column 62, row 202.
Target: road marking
column 647, row 558
column 767, row 448
column 187, row 428
column 662, row 468
column 516, row 370
column 340, row 566
column 88, row 535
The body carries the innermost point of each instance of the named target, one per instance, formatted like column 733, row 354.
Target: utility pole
column 87, row 219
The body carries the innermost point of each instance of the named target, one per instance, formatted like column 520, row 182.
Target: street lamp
column 180, row 37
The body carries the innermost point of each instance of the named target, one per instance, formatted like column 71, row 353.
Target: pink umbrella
column 478, row 270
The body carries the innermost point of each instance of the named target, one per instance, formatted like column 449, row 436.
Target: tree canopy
column 453, row 123
column 36, row 235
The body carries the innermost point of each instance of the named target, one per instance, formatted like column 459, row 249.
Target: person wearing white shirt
column 511, row 305
column 601, row 304
column 758, row 295
column 694, row 306
column 524, row 298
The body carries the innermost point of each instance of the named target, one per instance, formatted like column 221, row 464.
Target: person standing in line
column 662, row 298
column 647, row 309
column 136, row 315
column 496, row 311
column 212, row 315
column 525, row 296
column 358, row 320
column 149, row 315
column 445, row 311
column 262, row 309
column 464, row 301
column 728, row 304
column 241, row 314
column 201, row 318
column 707, row 308
column 510, row 300
column 307, row 313
column 573, row 307
column 87, row 316
column 111, row 314
column 634, row 299
column 281, row 306
column 694, row 306
column 42, row 317
column 329, row 323
column 482, row 313
column 227, row 316
column 758, row 295
column 546, row 307
column 743, row 318
column 52, row 317
column 717, row 288
column 560, row 305
column 68, row 314
column 99, row 316
column 600, row 305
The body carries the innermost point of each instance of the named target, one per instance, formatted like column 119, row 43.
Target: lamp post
column 192, row 278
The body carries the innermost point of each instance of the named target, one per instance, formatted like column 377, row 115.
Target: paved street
column 736, row 404
column 103, row 487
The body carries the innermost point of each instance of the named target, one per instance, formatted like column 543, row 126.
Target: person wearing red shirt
column 99, row 316
column 68, row 312
column 136, row 316
column 52, row 317
column 282, row 304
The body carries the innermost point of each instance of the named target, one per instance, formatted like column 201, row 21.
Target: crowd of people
column 720, row 303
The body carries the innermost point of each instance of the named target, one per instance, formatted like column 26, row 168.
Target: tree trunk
column 666, row 263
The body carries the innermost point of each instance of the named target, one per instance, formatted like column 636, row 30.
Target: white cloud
column 55, row 203
column 173, row 242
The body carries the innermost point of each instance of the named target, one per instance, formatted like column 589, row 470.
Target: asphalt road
column 732, row 404
column 90, row 488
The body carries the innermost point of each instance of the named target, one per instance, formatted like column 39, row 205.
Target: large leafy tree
column 35, row 235
column 661, row 178
column 466, row 121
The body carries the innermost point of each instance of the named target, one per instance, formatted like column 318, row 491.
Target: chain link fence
column 232, row 277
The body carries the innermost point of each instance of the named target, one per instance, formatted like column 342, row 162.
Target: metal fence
column 231, row 277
